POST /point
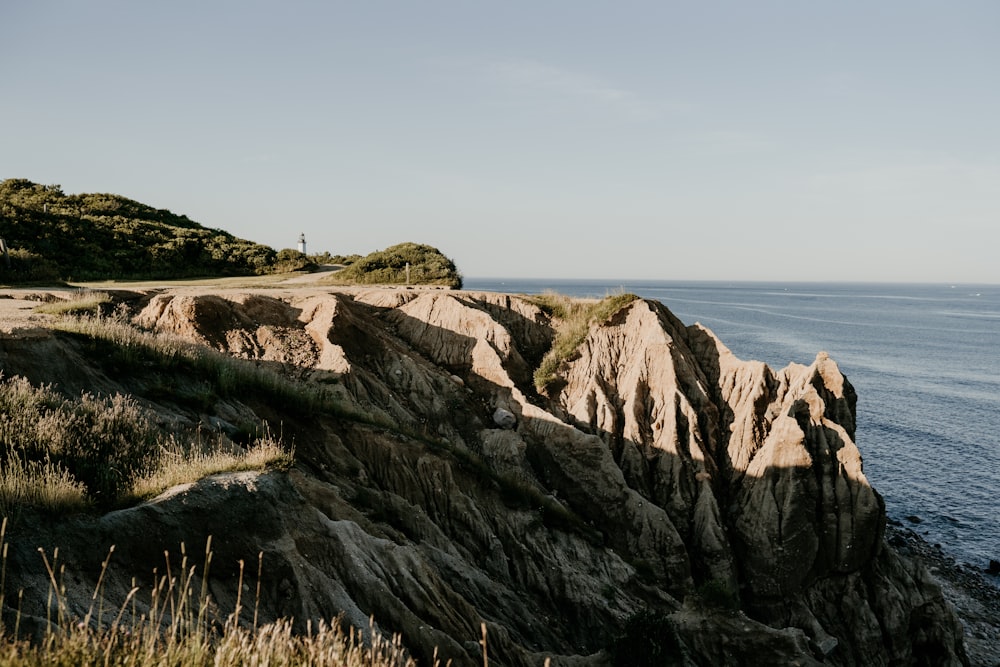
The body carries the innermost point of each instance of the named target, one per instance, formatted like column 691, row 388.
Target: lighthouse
column 302, row 243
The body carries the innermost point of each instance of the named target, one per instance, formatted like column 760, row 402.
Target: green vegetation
column 121, row 343
column 327, row 258
column 183, row 464
column 26, row 267
column 52, row 235
column 42, row 485
column 181, row 628
column 83, row 302
column 101, row 443
column 573, row 319
column 62, row 455
column 288, row 260
column 427, row 266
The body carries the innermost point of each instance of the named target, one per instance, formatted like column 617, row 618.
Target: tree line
column 51, row 235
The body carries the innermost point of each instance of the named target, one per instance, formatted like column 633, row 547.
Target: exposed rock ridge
column 664, row 467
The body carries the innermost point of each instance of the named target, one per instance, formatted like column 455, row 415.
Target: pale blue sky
column 760, row 140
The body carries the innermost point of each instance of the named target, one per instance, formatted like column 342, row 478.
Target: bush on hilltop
column 427, row 266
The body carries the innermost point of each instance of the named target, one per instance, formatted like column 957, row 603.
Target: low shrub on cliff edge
column 101, row 443
column 25, row 267
column 62, row 455
column 573, row 319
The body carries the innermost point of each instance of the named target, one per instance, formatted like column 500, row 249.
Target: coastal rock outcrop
column 663, row 478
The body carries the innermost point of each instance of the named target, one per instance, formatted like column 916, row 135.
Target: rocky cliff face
column 662, row 476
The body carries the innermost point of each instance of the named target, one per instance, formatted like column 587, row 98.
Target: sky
column 710, row 140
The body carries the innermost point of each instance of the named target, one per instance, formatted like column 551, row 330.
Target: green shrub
column 103, row 443
column 63, row 455
column 27, row 267
column 573, row 319
column 288, row 260
column 427, row 266
column 340, row 259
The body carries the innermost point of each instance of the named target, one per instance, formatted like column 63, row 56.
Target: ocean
column 924, row 359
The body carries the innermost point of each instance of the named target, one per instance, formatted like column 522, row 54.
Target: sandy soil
column 17, row 309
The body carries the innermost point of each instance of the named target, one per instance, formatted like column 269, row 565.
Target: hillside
column 52, row 235
column 664, row 502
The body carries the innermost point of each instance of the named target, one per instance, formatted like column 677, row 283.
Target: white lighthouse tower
column 302, row 243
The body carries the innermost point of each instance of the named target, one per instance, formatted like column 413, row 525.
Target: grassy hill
column 401, row 264
column 51, row 235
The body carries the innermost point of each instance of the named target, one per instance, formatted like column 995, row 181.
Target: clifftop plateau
column 662, row 490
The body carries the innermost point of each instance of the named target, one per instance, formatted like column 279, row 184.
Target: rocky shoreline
column 974, row 594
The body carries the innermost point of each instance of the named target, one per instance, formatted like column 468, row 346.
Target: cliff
column 663, row 491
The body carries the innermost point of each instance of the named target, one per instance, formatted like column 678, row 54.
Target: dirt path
column 314, row 277
column 17, row 309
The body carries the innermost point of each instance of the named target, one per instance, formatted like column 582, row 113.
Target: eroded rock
column 663, row 468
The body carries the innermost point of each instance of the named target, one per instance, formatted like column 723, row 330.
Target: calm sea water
column 924, row 359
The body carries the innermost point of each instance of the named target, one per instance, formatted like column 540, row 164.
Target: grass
column 178, row 466
column 179, row 627
column 230, row 376
column 62, row 455
column 56, row 443
column 40, row 484
column 240, row 377
column 573, row 319
column 80, row 303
